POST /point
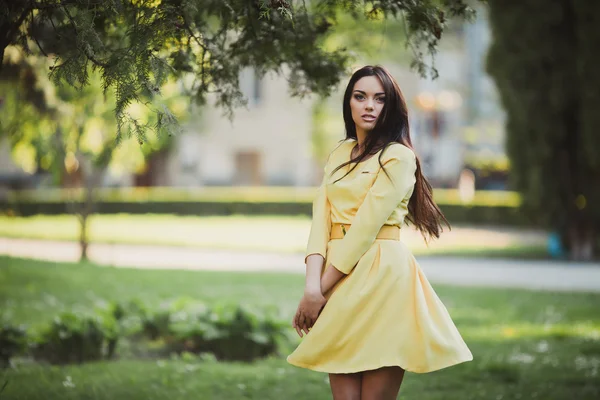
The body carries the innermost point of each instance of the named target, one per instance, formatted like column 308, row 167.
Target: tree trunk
column 84, row 213
column 83, row 237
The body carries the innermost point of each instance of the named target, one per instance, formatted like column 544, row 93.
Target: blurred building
column 267, row 143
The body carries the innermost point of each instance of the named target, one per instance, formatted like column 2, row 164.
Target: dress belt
column 387, row 232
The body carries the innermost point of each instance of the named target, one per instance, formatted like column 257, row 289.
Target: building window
column 257, row 89
column 251, row 85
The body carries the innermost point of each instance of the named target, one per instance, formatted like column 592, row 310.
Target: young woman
column 371, row 314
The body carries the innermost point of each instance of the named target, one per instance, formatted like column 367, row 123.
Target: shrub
column 76, row 338
column 112, row 326
column 487, row 207
column 225, row 331
column 13, row 340
column 230, row 332
column 140, row 320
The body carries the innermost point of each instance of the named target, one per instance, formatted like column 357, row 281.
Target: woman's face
column 366, row 102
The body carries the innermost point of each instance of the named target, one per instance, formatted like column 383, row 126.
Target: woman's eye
column 358, row 96
column 381, row 99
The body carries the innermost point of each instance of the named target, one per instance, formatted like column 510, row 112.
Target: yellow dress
column 383, row 312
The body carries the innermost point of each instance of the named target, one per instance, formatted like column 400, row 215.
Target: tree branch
column 14, row 28
column 34, row 36
column 202, row 70
column 188, row 28
column 89, row 56
column 62, row 3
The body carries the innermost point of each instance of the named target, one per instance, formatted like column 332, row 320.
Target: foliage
column 457, row 213
column 486, row 207
column 73, row 338
column 77, row 337
column 325, row 129
column 227, row 331
column 64, row 130
column 239, row 194
column 136, row 45
column 12, row 342
column 549, row 85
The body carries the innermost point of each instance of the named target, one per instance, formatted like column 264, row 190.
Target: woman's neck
column 361, row 137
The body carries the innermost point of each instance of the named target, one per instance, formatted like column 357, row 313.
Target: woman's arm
column 330, row 277
column 320, row 228
column 313, row 300
column 314, row 267
column 316, row 249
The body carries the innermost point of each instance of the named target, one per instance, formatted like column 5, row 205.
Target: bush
column 173, row 207
column 226, row 331
column 487, row 215
column 13, row 340
column 487, row 207
column 112, row 319
column 76, row 338
column 230, row 332
column 456, row 213
column 139, row 320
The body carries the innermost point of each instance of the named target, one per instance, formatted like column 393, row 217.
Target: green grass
column 526, row 344
column 238, row 232
column 266, row 233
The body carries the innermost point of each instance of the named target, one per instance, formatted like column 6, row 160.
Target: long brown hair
column 392, row 127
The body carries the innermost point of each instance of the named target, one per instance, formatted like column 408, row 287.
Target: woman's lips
column 368, row 118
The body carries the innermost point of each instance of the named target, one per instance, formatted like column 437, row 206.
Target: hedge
column 227, row 331
column 486, row 207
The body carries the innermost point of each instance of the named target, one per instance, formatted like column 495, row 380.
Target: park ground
column 527, row 343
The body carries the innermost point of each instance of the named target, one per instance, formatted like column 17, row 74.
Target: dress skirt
column 383, row 313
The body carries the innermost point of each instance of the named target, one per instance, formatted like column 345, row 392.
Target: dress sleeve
column 320, row 229
column 380, row 201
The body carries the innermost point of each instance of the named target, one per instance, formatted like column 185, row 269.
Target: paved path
column 543, row 275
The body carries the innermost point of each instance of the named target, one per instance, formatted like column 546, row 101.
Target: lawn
column 526, row 344
column 268, row 233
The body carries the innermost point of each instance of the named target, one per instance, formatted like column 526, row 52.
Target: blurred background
column 152, row 234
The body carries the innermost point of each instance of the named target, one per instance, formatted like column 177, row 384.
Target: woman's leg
column 345, row 386
column 381, row 384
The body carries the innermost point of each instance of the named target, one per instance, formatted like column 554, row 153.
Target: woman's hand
column 308, row 311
